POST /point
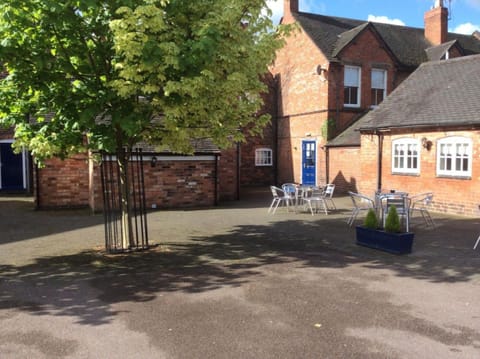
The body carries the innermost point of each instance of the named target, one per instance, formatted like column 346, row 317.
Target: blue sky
column 465, row 14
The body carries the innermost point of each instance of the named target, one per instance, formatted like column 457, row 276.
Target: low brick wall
column 174, row 182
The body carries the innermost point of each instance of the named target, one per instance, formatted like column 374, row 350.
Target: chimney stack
column 289, row 7
column 436, row 23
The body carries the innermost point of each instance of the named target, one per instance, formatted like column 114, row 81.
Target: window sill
column 456, row 177
column 411, row 174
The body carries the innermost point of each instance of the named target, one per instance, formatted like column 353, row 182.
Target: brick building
column 425, row 137
column 331, row 73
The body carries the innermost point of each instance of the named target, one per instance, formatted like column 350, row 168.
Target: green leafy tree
column 104, row 75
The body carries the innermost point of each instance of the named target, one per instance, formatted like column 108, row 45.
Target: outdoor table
column 305, row 191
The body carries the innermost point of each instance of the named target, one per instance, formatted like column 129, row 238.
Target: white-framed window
column 351, row 83
column 454, row 156
column 263, row 157
column 406, row 156
column 379, row 86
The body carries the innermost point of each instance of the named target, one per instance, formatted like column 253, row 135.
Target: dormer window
column 351, row 94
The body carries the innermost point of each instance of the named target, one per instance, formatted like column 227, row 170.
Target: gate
column 110, row 176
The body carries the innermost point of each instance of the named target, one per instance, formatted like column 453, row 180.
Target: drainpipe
column 379, row 161
column 275, row 130
column 215, row 182
column 37, row 185
column 327, row 167
column 238, row 171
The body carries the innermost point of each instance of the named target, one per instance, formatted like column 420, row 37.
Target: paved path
column 234, row 282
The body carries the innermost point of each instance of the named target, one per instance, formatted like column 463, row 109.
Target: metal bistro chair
column 328, row 194
column 316, row 199
column 360, row 203
column 478, row 239
column 291, row 190
column 420, row 203
column 279, row 196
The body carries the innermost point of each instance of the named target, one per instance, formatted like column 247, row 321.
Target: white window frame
column 263, row 157
column 348, row 83
column 404, row 163
column 384, row 85
column 454, row 149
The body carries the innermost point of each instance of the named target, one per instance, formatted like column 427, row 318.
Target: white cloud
column 385, row 20
column 276, row 6
column 466, row 29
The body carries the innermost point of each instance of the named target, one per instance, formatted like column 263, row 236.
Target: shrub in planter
column 371, row 220
column 392, row 222
column 390, row 239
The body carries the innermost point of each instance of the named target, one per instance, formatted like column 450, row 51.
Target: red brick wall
column 368, row 52
column 228, row 174
column 368, row 165
column 170, row 184
column 451, row 195
column 302, row 105
column 63, row 183
column 344, row 170
column 250, row 174
column 236, row 166
column 436, row 25
column 180, row 184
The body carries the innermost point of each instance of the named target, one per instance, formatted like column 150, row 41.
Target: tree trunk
column 125, row 206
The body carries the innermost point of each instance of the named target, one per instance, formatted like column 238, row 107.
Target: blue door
column 11, row 168
column 309, row 158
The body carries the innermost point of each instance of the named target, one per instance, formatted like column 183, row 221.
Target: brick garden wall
column 170, row 184
column 180, row 184
column 63, row 183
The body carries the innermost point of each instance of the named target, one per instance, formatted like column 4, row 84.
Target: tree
column 104, row 75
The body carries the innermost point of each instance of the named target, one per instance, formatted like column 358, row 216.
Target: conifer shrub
column 392, row 222
column 371, row 220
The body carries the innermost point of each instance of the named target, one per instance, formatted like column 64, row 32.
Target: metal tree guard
column 110, row 176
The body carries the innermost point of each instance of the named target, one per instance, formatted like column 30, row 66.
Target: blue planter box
column 397, row 243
